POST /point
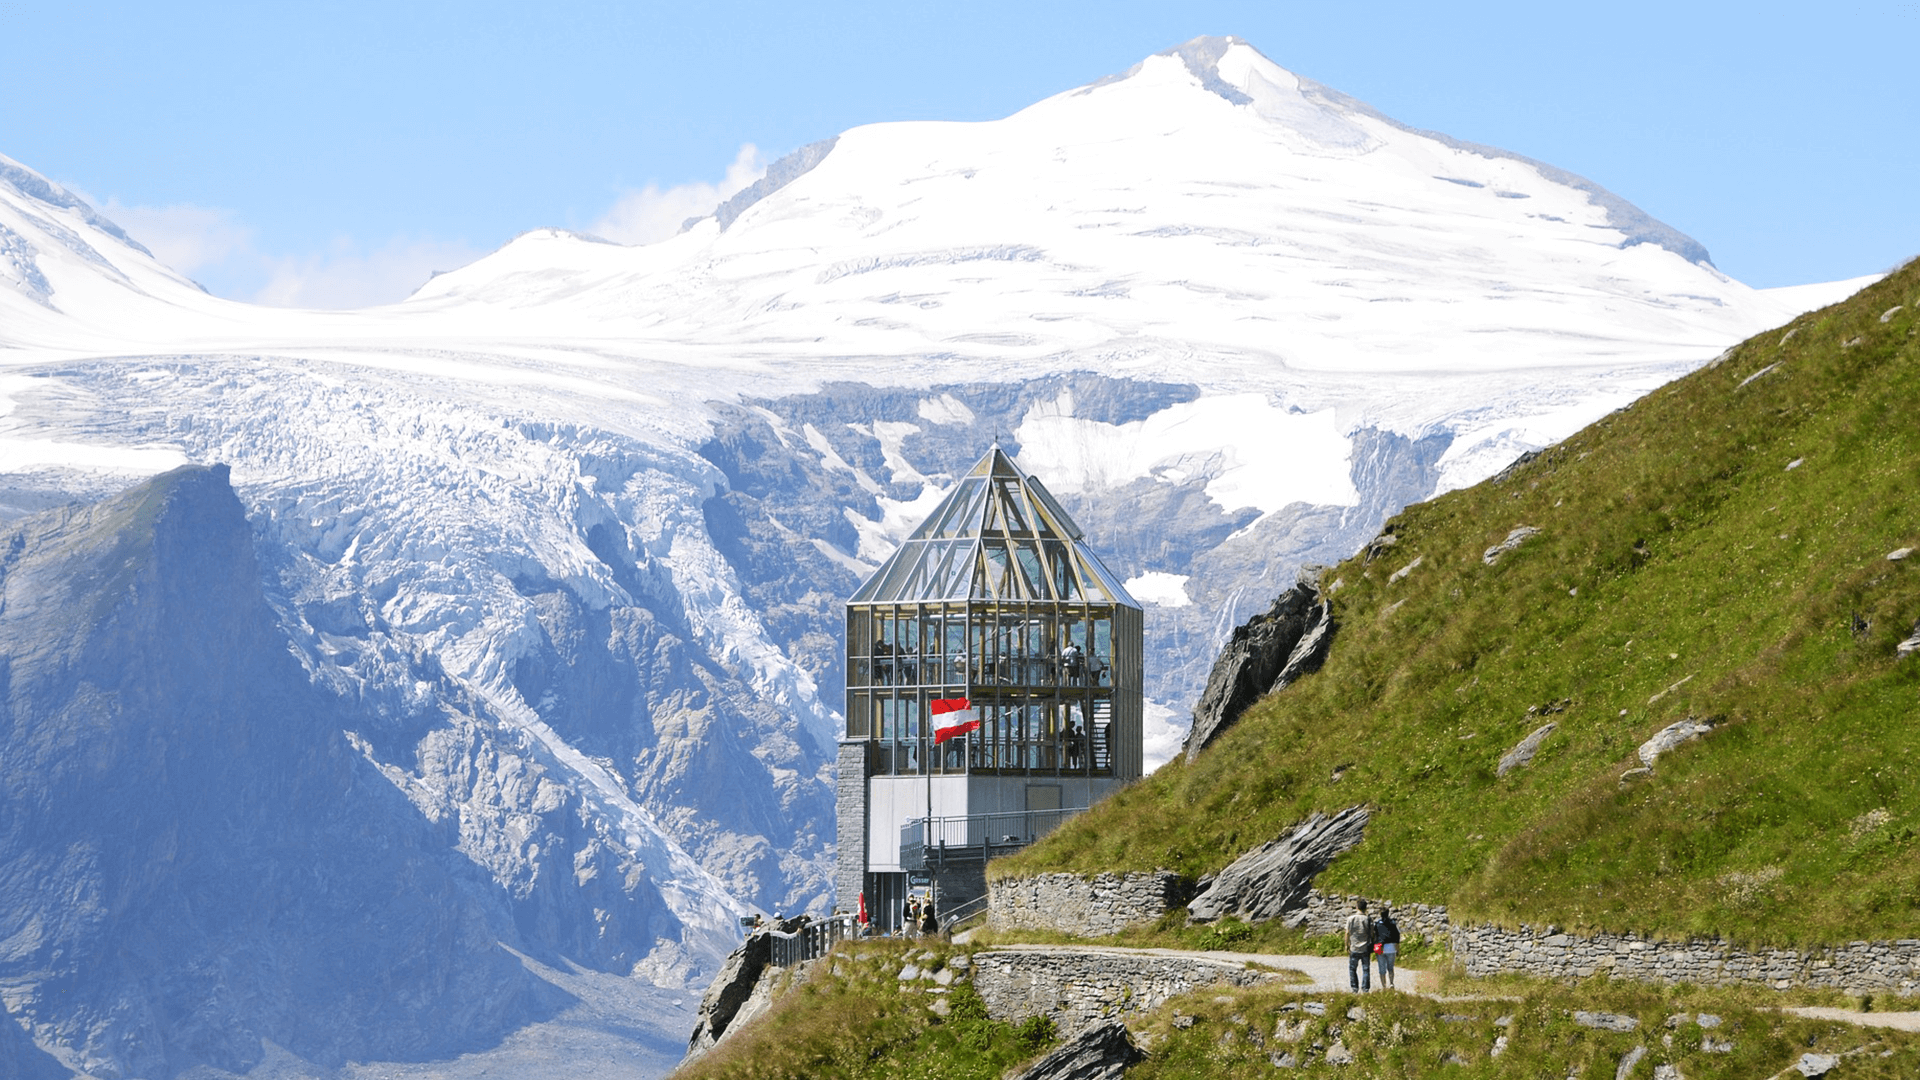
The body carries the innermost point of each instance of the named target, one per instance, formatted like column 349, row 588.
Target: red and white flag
column 952, row 716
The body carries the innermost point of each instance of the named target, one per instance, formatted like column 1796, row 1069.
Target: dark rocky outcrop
column 733, row 987
column 1264, row 655
column 1098, row 1053
column 1271, row 881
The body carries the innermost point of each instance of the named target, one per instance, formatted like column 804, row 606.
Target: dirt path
column 1328, row 973
column 1899, row 1021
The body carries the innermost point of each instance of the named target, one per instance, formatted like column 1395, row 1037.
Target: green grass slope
column 1717, row 550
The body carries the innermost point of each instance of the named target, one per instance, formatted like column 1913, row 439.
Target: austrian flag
column 952, row 716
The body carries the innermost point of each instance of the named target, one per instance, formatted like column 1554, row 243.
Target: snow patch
column 945, row 409
column 1250, row 451
column 30, row 455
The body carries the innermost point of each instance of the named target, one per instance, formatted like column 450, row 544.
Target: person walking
column 1386, row 944
column 1359, row 948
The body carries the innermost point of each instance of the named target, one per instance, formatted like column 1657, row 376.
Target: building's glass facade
column 996, row 598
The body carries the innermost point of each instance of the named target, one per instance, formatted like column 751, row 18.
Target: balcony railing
column 809, row 942
column 931, row 843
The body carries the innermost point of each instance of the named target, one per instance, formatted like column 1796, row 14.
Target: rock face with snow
column 194, row 856
column 562, row 539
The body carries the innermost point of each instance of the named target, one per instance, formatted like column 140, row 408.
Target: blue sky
column 333, row 153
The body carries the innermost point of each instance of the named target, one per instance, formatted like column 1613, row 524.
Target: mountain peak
column 31, row 185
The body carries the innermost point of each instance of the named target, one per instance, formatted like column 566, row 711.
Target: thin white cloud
column 214, row 247
column 347, row 277
column 654, row 213
column 187, row 238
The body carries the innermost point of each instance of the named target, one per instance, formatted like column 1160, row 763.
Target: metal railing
column 809, row 942
column 933, row 842
column 962, row 913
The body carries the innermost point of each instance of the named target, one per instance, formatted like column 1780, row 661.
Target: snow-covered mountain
column 566, row 533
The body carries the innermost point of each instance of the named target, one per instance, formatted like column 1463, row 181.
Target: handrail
column 976, row 836
column 809, row 942
column 962, row 913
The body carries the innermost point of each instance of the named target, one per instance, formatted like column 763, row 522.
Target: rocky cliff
column 194, row 857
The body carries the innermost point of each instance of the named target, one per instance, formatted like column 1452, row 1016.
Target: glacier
column 561, row 540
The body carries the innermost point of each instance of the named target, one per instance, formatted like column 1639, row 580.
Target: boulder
column 1264, row 654
column 1911, row 645
column 1674, row 734
column 1098, row 1053
column 1514, row 539
column 1605, row 1021
column 1628, row 1061
column 1812, row 1065
column 1522, row 755
column 1272, row 880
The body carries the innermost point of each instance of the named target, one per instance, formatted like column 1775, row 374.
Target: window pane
column 1028, row 559
column 1015, row 513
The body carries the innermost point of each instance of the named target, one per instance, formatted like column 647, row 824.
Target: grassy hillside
column 1718, row 550
column 852, row 1017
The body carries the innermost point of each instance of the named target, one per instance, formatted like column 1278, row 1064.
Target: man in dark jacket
column 1386, row 937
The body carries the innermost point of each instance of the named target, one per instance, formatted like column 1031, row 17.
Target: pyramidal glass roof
column 999, row 536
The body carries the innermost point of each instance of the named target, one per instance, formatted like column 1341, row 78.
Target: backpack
column 1386, row 931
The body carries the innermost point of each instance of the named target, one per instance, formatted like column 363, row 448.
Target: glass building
column 997, row 599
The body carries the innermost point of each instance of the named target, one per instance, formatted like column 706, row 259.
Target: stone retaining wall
column 1072, row 904
column 1075, row 904
column 1326, row 913
column 1861, row 966
column 1079, row 989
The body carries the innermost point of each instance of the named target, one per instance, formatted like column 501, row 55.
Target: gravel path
column 1899, row 1021
column 1328, row 973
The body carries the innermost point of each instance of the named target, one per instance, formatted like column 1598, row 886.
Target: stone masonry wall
column 1075, row 904
column 1326, row 913
column 1106, row 904
column 850, row 809
column 1079, row 989
column 1863, row 965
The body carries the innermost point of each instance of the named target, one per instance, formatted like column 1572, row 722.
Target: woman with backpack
column 1386, row 944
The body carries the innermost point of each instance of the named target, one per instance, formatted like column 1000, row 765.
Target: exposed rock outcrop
column 1911, row 645
column 1266, row 653
column 1272, row 881
column 1671, row 736
column 1514, row 539
column 727, row 999
column 1098, row 1053
column 1522, row 754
